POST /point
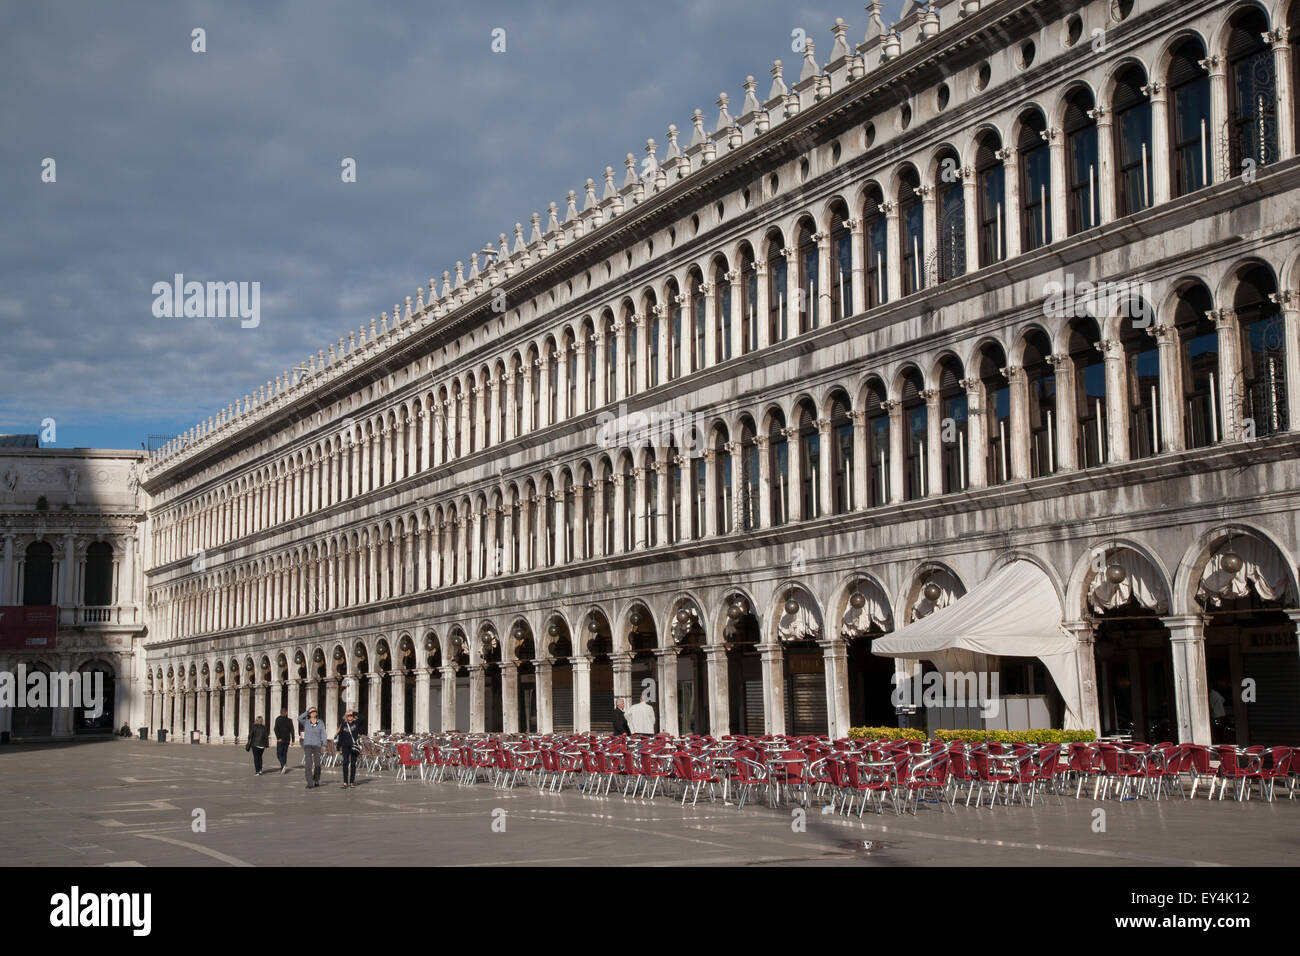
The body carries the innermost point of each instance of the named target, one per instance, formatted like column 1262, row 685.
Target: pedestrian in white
column 641, row 718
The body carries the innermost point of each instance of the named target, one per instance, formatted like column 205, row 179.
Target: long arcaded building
column 993, row 315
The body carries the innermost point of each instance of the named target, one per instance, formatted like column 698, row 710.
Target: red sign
column 28, row 628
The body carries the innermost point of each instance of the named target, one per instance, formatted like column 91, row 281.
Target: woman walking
column 349, row 744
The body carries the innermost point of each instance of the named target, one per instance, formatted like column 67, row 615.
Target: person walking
column 283, row 738
column 641, row 718
column 349, row 743
column 313, row 742
column 258, row 739
column 621, row 729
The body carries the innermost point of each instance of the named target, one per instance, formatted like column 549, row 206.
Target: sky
column 227, row 166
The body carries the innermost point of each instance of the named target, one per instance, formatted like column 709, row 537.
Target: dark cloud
column 225, row 166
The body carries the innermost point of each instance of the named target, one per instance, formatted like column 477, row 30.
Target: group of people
column 312, row 736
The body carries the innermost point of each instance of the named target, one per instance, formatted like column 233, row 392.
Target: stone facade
column 81, row 512
column 1016, row 281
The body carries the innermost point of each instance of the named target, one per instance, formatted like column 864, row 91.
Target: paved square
column 127, row 802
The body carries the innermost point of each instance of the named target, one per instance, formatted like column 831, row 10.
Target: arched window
column 652, row 344
column 1252, row 94
column 1083, row 210
column 1142, row 364
column 841, row 290
column 674, row 478
column 1189, row 118
column 1040, row 379
column 990, row 192
column 912, row 234
column 611, row 360
column 1262, row 394
column 951, row 209
column 721, row 291
column 997, row 413
column 953, row 433
column 750, row 476
column 38, row 574
column 1132, row 143
column 1089, row 370
column 553, row 386
column 633, row 353
column 778, row 308
column 651, row 504
column 98, row 591
column 748, row 300
column 722, row 481
column 875, row 232
column 841, row 463
column 878, row 450
column 915, row 428
column 591, row 371
column 810, row 462
column 779, row 469
column 1035, row 182
column 1199, row 351
column 698, row 306
column 809, row 260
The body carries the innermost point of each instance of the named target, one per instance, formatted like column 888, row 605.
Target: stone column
column 717, row 688
column 621, row 662
column 1116, row 409
column 892, row 281
column 976, row 434
column 667, row 674
column 1171, row 388
column 861, row 461
column 857, row 264
column 930, row 252
column 420, row 720
column 794, row 458
column 639, row 535
column 331, row 704
column 661, row 499
column 1060, row 191
column 971, row 219
column 545, row 709
column 1019, row 438
column 621, row 360
column 738, row 317
column 448, row 699
column 642, row 352
column 1289, row 300
column 581, row 694
column 1219, row 116
column 1229, row 382
column 827, row 284
column 1160, row 184
column 763, row 306
column 1106, row 199
column 933, row 463
column 1066, row 431
column 1191, row 688
column 835, row 662
column 510, row 697
column 1285, row 111
column 764, row 444
column 375, row 702
column 773, row 660
column 1086, row 665
column 897, row 455
column 477, row 716
column 1011, row 204
column 824, row 487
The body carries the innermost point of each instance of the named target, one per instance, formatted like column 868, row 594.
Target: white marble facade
column 793, row 377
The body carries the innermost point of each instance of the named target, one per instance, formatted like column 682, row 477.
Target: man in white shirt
column 641, row 718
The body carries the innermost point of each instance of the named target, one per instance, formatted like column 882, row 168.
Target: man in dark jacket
column 258, row 738
column 283, row 738
column 621, row 728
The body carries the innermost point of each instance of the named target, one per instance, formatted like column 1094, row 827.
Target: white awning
column 1015, row 613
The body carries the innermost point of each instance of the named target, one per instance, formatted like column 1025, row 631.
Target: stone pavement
column 128, row 802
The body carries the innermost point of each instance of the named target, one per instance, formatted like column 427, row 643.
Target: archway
column 1247, row 593
column 1134, row 670
column 686, row 626
column 600, row 648
column 799, row 629
column 525, row 652
column 741, row 637
column 866, row 617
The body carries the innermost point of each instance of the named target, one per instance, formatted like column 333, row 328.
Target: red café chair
column 870, row 784
column 1230, row 771
column 693, row 770
column 1117, row 767
column 654, row 768
column 928, row 774
column 406, row 758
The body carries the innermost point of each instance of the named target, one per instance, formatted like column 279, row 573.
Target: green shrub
column 886, row 733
